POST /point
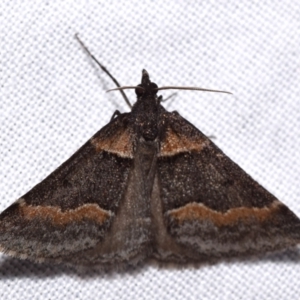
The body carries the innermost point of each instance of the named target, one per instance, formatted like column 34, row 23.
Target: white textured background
column 53, row 100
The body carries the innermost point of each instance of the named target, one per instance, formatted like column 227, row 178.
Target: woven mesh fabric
column 53, row 99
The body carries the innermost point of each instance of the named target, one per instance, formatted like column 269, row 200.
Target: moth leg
column 168, row 98
column 115, row 115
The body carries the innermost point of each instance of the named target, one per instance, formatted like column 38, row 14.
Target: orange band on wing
column 54, row 214
column 119, row 144
column 197, row 211
column 175, row 143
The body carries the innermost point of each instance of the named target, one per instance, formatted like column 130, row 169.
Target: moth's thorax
column 145, row 115
column 146, row 110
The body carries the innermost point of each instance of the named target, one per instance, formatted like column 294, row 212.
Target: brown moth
column 147, row 185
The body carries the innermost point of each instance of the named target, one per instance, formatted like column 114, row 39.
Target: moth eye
column 139, row 91
column 153, row 86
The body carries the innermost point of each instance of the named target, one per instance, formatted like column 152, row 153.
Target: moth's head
column 146, row 86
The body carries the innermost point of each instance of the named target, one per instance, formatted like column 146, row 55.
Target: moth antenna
column 129, row 87
column 103, row 69
column 190, row 88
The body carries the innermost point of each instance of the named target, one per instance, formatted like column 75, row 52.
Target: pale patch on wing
column 175, row 143
column 58, row 217
column 120, row 143
column 197, row 211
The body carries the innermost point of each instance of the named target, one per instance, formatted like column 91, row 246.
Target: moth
column 147, row 185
